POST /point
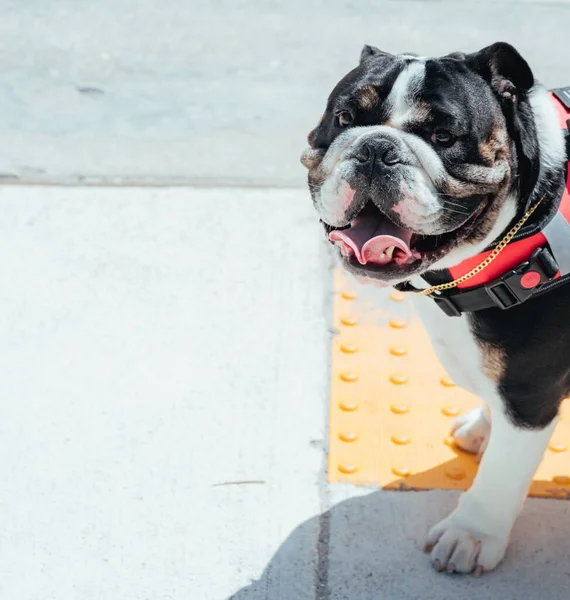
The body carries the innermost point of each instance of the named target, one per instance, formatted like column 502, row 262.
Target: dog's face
column 415, row 159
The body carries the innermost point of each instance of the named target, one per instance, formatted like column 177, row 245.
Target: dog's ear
column 510, row 78
column 370, row 51
column 504, row 68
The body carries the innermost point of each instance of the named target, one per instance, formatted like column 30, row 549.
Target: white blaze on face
column 419, row 206
column 401, row 98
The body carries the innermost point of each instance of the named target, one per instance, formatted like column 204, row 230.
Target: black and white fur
column 516, row 360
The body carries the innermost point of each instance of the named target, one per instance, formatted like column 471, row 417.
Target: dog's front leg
column 475, row 535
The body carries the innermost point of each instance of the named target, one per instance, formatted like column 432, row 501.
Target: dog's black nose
column 383, row 149
column 364, row 153
column 390, row 157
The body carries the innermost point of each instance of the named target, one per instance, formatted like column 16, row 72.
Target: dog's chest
column 456, row 347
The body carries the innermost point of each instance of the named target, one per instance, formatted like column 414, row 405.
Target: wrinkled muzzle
column 387, row 201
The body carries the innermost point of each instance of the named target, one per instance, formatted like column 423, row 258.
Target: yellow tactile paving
column 392, row 406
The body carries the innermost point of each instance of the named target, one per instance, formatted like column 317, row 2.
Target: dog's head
column 418, row 163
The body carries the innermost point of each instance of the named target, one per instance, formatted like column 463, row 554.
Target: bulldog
column 420, row 169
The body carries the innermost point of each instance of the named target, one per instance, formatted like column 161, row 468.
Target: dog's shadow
column 370, row 547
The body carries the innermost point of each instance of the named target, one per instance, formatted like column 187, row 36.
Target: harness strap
column 557, row 232
column 516, row 286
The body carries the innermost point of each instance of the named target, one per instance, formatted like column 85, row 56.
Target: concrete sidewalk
column 158, row 347
column 163, row 414
column 217, row 92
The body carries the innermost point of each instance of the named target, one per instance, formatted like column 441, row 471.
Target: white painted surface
column 155, row 343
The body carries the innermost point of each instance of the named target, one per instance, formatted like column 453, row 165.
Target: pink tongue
column 368, row 239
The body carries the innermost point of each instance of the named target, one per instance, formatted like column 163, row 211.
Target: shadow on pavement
column 370, row 548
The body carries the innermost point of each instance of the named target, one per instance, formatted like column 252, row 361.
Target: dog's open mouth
column 373, row 239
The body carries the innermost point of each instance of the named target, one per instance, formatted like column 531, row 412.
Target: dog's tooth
column 389, row 251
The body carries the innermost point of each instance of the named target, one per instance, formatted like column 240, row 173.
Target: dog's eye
column 344, row 118
column 442, row 137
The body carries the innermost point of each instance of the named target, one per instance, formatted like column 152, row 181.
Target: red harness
column 527, row 265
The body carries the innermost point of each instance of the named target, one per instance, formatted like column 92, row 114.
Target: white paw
column 457, row 548
column 472, row 431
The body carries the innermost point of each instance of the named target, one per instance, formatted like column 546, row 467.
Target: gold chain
column 485, row 263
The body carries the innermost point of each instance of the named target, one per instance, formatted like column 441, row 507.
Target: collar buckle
column 512, row 289
column 519, row 284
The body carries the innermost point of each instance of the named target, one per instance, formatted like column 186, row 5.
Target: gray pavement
column 165, row 347
column 222, row 91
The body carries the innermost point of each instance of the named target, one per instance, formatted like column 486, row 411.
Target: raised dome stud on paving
column 392, row 407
